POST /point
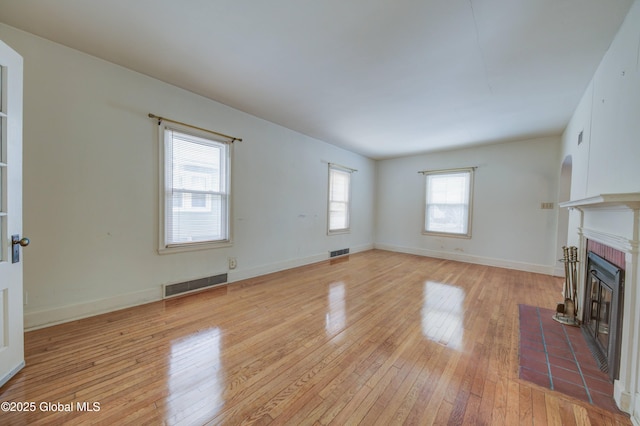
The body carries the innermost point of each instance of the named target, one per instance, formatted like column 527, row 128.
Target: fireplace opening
column 602, row 321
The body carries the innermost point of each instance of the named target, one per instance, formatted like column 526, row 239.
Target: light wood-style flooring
column 375, row 338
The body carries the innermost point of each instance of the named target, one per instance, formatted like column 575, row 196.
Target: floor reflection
column 196, row 380
column 335, row 319
column 443, row 314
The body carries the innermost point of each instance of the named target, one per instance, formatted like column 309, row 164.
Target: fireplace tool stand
column 566, row 312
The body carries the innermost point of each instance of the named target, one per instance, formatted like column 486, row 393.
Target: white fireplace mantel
column 612, row 219
column 629, row 200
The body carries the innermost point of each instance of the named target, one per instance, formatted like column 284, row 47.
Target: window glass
column 339, row 199
column 196, row 182
column 448, row 202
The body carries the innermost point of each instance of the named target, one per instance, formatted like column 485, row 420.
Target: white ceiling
column 383, row 78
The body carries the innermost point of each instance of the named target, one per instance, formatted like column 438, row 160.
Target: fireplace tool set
column 566, row 312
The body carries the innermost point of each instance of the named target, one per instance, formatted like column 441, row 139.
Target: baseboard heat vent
column 171, row 290
column 341, row 252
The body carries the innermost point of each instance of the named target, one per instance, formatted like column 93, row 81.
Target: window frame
column 165, row 202
column 348, row 172
column 466, row 170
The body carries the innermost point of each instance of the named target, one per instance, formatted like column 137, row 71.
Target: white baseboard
column 59, row 315
column 625, row 403
column 621, row 396
column 467, row 258
column 559, row 271
column 11, row 373
column 48, row 317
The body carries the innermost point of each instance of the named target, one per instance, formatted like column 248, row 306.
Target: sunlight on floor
column 443, row 314
column 336, row 316
column 196, row 380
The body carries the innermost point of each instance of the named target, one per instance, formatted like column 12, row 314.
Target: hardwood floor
column 375, row 338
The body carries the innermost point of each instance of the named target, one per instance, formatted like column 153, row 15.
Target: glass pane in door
column 3, row 218
column 595, row 287
column 2, row 103
column 3, row 168
column 604, row 317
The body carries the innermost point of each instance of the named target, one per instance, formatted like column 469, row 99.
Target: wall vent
column 341, row 252
column 171, row 290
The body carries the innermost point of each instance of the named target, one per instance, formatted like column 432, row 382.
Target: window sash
column 196, row 201
column 338, row 216
column 448, row 202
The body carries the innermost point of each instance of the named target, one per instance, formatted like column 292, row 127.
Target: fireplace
column 609, row 226
column 603, row 309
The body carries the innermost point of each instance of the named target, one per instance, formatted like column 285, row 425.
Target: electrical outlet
column 233, row 263
column 546, row 206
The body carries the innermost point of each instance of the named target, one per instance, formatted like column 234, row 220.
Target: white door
column 11, row 320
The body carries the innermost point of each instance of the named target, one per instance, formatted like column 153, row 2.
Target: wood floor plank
column 513, row 403
column 553, row 410
column 372, row 338
column 471, row 413
column 486, row 403
column 539, row 405
column 436, row 398
column 581, row 416
column 499, row 413
column 525, row 405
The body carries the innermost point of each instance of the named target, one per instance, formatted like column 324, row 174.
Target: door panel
column 11, row 308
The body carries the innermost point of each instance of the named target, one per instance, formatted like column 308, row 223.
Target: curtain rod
column 340, row 166
column 233, row 138
column 459, row 169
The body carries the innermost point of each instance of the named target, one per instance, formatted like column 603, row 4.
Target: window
column 449, row 196
column 195, row 189
column 339, row 199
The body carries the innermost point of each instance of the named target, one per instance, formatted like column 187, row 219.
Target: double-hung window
column 195, row 194
column 339, row 199
column 448, row 207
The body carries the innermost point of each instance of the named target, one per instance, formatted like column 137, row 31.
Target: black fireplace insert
column 603, row 305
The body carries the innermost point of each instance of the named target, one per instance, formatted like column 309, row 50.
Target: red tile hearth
column 557, row 357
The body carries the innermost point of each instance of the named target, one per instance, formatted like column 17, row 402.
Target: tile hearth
column 557, row 357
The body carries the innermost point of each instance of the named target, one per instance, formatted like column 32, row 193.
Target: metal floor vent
column 341, row 252
column 597, row 353
column 171, row 290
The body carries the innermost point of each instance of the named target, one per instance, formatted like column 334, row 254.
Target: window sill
column 446, row 234
column 339, row 232
column 187, row 247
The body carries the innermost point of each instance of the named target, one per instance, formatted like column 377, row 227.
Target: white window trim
column 349, row 171
column 426, row 173
column 163, row 248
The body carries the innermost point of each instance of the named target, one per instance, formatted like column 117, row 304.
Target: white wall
column 91, row 187
column 509, row 227
column 608, row 162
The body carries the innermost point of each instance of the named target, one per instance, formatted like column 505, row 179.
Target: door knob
column 23, row 242
column 17, row 242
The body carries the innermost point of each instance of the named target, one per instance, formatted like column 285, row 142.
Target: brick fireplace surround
column 613, row 220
